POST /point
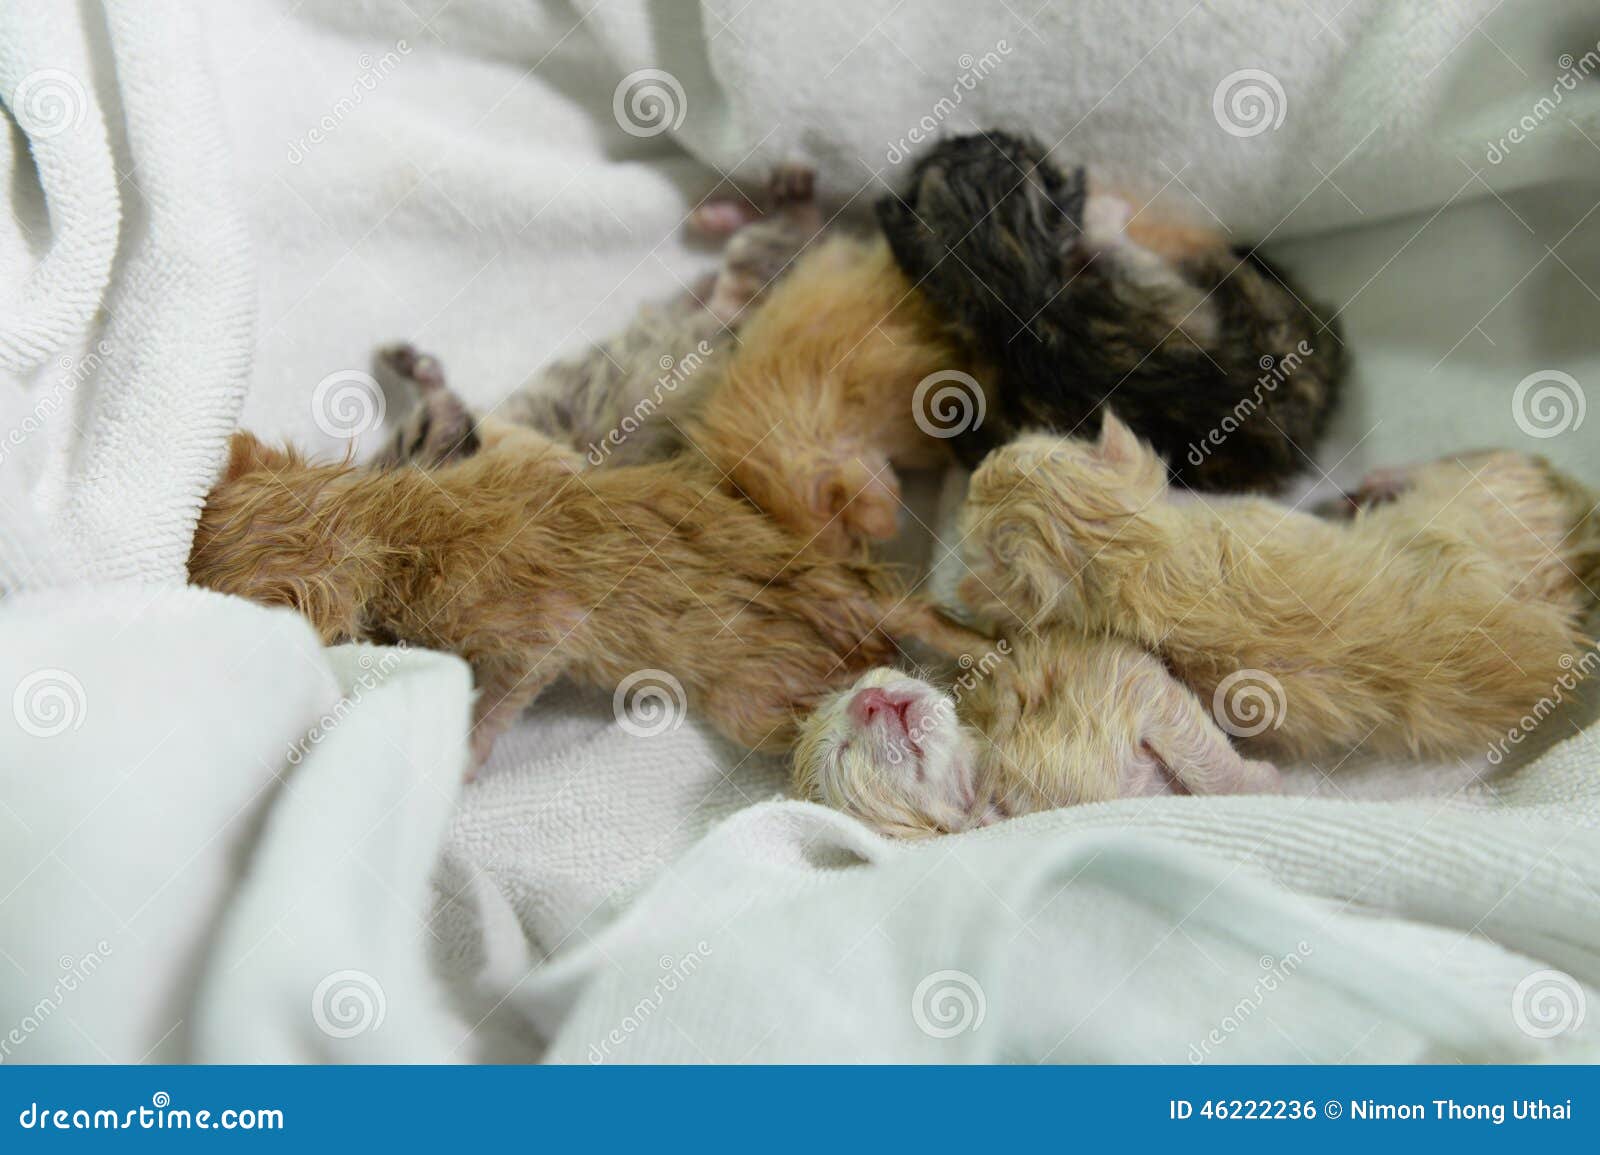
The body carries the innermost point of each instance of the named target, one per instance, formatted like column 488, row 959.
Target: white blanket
column 270, row 839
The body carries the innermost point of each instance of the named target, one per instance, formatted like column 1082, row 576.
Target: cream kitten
column 1425, row 626
column 1041, row 721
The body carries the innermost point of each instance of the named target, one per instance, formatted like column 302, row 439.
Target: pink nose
column 868, row 705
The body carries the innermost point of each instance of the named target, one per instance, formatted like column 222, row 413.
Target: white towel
column 129, row 322
column 468, row 183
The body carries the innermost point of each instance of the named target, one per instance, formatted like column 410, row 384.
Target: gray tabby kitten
column 626, row 399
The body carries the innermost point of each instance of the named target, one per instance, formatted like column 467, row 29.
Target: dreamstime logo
column 1573, row 672
column 74, row 372
column 373, row 73
column 649, row 102
column 348, row 1003
column 1548, row 403
column 674, row 372
column 1274, row 372
column 1548, row 1003
column 1278, row 971
column 1249, row 702
column 1574, row 71
column 75, row 970
column 49, row 102
column 973, row 672
column 948, row 1003
column 1249, row 102
column 49, row 702
column 649, row 702
column 973, row 70
column 373, row 672
column 948, row 403
column 347, row 403
column 676, row 971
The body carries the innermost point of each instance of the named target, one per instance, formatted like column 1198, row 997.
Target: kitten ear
column 905, row 232
column 1118, row 445
column 1071, row 191
column 248, row 454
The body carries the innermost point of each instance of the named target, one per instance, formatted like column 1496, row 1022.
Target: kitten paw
column 1105, row 219
column 717, row 218
column 440, row 428
column 792, row 184
column 856, row 500
column 406, row 363
column 1380, row 487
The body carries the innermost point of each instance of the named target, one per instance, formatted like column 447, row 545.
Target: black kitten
column 1206, row 351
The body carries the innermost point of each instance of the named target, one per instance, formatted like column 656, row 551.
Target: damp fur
column 1425, row 623
column 532, row 570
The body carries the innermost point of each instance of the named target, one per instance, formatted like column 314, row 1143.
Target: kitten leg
column 713, row 219
column 793, row 191
column 719, row 217
column 497, row 435
column 1377, row 487
column 504, row 690
column 440, row 429
column 1381, row 486
column 791, row 188
column 924, row 623
column 625, row 399
column 1182, row 742
column 1519, row 511
column 758, row 254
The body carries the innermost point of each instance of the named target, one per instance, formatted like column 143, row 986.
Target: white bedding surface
column 472, row 192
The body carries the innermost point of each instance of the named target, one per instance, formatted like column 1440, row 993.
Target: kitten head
column 1040, row 508
column 891, row 751
column 983, row 226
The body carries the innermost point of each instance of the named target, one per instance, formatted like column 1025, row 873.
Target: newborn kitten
column 531, row 570
column 1206, row 351
column 819, row 401
column 626, row 400
column 803, row 411
column 1047, row 720
column 1424, row 627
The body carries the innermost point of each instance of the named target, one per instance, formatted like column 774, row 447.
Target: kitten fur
column 626, row 400
column 1426, row 626
column 1076, row 306
column 1056, row 720
column 815, row 407
column 531, row 570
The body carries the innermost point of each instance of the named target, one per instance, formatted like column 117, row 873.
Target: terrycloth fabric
column 129, row 295
column 470, row 184
column 1226, row 931
column 194, row 791
column 268, row 868
column 1270, row 118
column 203, row 805
column 466, row 185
